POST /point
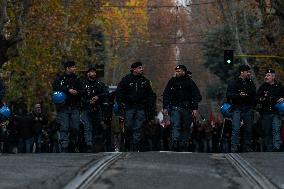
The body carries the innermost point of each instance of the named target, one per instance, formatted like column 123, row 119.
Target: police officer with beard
column 268, row 94
column 135, row 92
column 241, row 93
column 93, row 94
column 68, row 115
column 180, row 100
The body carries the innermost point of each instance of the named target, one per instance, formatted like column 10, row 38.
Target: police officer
column 93, row 94
column 68, row 113
column 268, row 94
column 241, row 92
column 2, row 92
column 135, row 92
column 180, row 99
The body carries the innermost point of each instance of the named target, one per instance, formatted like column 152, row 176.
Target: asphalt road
column 171, row 170
column 271, row 165
column 36, row 171
column 145, row 170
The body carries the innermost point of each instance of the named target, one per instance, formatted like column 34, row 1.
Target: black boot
column 134, row 147
column 248, row 148
column 183, row 147
column 175, row 146
column 89, row 149
column 234, row 148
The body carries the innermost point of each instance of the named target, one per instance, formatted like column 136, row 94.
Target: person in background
column 39, row 124
column 24, row 127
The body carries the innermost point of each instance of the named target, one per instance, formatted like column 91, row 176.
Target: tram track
column 87, row 177
column 248, row 172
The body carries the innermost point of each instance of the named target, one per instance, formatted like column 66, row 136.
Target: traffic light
column 228, row 57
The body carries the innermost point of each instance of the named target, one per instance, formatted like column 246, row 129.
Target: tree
column 11, row 27
column 214, row 44
column 51, row 31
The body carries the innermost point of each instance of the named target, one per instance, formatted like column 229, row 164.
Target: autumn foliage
column 54, row 30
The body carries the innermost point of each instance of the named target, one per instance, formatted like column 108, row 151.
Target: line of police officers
column 135, row 97
column 242, row 94
column 85, row 95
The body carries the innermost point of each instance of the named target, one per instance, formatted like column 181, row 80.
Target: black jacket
column 135, row 91
column 91, row 88
column 267, row 96
column 65, row 82
column 39, row 121
column 238, row 85
column 181, row 92
column 2, row 90
column 24, row 125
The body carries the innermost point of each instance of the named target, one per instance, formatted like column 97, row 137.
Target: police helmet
column 280, row 107
column 115, row 108
column 58, row 97
column 5, row 112
column 225, row 109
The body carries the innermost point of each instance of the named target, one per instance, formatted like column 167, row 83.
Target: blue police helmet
column 279, row 107
column 115, row 108
column 225, row 109
column 58, row 97
column 5, row 112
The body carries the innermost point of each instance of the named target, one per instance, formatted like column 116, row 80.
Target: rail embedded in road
column 252, row 175
column 84, row 179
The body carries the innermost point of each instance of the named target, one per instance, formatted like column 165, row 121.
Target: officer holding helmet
column 270, row 93
column 241, row 93
column 93, row 94
column 68, row 112
column 180, row 100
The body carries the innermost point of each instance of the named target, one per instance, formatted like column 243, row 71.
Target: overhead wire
column 177, row 7
column 157, row 6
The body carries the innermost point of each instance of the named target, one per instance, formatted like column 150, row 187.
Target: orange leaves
column 53, row 29
column 121, row 23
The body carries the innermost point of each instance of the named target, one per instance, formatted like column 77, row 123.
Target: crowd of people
column 90, row 118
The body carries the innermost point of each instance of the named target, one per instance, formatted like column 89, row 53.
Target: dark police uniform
column 2, row 94
column 2, row 91
column 92, row 113
column 135, row 92
column 267, row 96
column 68, row 115
column 180, row 97
column 241, row 109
